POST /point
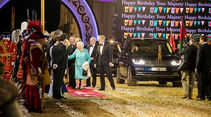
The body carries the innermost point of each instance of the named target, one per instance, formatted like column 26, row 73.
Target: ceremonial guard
column 35, row 69
column 7, row 56
column 37, row 74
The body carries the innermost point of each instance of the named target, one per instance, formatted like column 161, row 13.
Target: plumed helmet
column 37, row 35
column 36, row 25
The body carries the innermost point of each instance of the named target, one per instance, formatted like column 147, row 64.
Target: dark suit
column 203, row 66
column 102, row 61
column 93, row 69
column 190, row 54
column 191, row 57
column 59, row 55
column 71, row 66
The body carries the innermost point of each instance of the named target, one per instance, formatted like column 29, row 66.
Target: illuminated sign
column 156, row 18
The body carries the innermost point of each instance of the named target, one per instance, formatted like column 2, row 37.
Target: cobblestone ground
column 147, row 99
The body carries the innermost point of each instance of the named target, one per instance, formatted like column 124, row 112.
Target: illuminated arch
column 83, row 14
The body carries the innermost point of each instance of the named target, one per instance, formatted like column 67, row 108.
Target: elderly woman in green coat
column 81, row 55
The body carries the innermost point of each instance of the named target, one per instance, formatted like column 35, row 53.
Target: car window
column 124, row 46
column 116, row 49
column 128, row 46
column 119, row 48
column 150, row 47
column 169, row 47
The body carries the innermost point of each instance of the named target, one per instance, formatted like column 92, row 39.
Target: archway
column 83, row 14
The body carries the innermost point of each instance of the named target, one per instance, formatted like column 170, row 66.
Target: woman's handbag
column 84, row 72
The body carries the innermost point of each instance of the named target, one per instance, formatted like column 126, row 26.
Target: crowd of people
column 196, row 65
column 43, row 62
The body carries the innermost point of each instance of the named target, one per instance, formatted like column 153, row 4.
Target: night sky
column 52, row 13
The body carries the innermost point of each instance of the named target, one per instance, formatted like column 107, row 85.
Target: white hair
column 93, row 38
column 72, row 37
column 101, row 37
column 80, row 44
column 78, row 39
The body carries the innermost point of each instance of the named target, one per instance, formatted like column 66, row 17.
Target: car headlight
column 175, row 63
column 139, row 62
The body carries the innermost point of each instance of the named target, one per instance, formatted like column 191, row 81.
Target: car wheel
column 130, row 81
column 177, row 84
column 118, row 79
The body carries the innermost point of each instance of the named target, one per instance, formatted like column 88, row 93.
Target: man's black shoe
column 57, row 98
column 63, row 97
column 190, row 98
column 101, row 89
column 184, row 97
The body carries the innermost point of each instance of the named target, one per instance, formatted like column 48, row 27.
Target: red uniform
column 36, row 65
column 7, row 56
column 31, row 90
column 24, row 48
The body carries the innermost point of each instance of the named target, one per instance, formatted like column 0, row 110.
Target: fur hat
column 37, row 35
column 36, row 25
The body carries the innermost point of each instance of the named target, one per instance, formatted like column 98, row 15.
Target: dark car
column 152, row 61
column 116, row 52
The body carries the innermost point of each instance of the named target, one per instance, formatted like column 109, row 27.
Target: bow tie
column 100, row 44
column 91, row 46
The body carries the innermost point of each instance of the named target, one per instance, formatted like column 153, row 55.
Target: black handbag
column 84, row 72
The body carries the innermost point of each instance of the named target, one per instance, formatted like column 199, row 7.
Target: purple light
column 106, row 0
column 78, row 17
column 3, row 2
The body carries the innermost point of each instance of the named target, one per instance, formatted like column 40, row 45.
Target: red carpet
column 86, row 92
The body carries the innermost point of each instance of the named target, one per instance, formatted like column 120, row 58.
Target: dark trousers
column 17, row 63
column 93, row 71
column 204, row 84
column 198, row 84
column 106, row 69
column 72, row 76
column 58, row 76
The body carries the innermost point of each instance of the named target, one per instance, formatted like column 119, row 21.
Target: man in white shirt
column 103, row 62
column 92, row 48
